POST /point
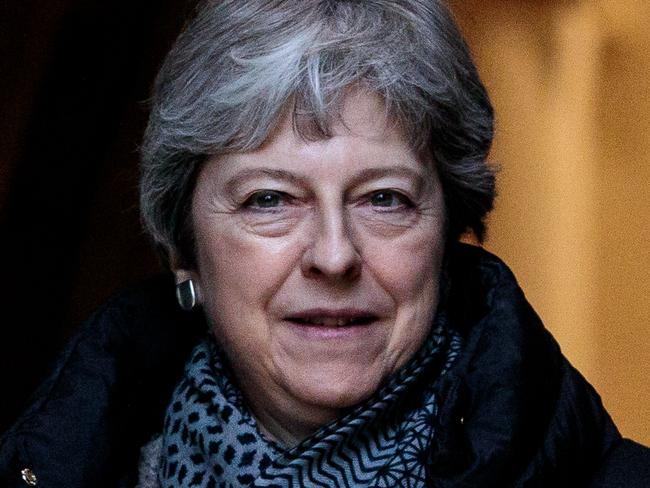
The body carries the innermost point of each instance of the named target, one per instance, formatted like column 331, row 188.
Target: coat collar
column 516, row 413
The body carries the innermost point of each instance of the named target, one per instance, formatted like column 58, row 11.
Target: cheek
column 240, row 272
column 408, row 267
column 408, row 271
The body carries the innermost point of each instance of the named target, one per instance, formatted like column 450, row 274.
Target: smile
column 333, row 321
column 332, row 318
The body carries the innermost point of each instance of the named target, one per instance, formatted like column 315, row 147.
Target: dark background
column 75, row 76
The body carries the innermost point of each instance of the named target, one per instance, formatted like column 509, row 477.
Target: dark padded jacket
column 514, row 413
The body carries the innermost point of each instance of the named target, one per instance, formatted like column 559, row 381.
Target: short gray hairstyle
column 240, row 64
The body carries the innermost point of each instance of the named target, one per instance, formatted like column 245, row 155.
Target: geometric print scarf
column 211, row 439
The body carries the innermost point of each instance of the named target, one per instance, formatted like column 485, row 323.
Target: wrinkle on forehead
column 360, row 112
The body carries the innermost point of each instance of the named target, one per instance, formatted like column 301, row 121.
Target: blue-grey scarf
column 211, row 439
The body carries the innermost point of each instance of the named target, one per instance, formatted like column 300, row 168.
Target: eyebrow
column 252, row 173
column 367, row 174
column 377, row 173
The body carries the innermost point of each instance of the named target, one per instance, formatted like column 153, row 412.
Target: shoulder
column 626, row 465
column 529, row 418
column 108, row 388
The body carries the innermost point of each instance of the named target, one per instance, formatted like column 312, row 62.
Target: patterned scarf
column 211, row 439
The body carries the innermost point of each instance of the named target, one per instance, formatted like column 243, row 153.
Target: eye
column 265, row 199
column 389, row 199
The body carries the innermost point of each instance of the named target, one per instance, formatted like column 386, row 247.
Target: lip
column 319, row 323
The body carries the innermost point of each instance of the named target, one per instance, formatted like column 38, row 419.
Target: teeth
column 329, row 322
column 333, row 321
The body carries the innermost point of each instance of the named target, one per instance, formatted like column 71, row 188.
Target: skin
column 353, row 224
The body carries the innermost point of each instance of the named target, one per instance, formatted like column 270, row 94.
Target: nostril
column 333, row 269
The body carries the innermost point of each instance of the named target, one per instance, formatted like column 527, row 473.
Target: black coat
column 514, row 411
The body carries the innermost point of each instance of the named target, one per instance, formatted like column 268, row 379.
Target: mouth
column 332, row 319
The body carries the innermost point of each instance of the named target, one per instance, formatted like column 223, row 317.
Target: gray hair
column 240, row 64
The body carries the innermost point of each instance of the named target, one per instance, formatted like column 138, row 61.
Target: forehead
column 361, row 133
column 360, row 113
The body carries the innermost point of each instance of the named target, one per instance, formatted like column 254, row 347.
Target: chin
column 335, row 389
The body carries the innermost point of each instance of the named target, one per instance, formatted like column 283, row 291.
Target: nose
column 332, row 253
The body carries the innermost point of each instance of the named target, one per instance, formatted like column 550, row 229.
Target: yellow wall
column 570, row 81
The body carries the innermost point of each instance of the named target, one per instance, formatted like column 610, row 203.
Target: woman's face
column 318, row 262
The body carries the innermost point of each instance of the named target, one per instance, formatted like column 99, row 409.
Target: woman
column 309, row 167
